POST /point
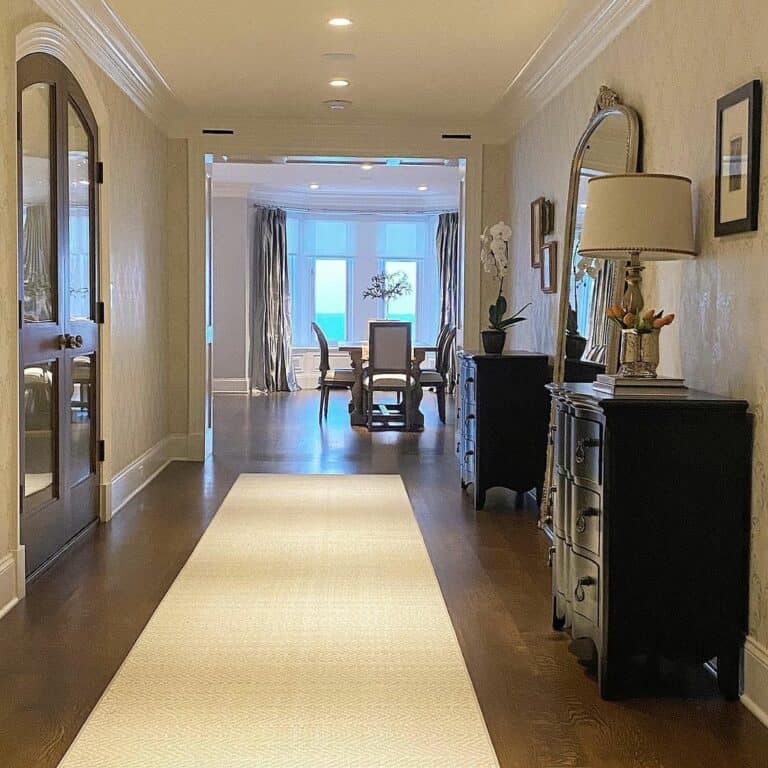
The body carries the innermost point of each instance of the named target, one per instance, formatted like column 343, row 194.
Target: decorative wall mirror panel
column 586, row 342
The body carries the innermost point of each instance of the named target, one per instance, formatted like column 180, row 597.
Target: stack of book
column 629, row 387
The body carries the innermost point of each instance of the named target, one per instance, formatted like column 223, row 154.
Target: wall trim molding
column 231, row 386
column 11, row 588
column 101, row 34
column 142, row 470
column 583, row 31
column 755, row 696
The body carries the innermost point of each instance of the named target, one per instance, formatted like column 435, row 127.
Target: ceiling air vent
column 219, row 131
column 457, row 136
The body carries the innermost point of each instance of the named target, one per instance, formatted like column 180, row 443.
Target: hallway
column 61, row 646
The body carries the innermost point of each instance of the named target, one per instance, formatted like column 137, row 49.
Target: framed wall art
column 548, row 261
column 542, row 223
column 737, row 175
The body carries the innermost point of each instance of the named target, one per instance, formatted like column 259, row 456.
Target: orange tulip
column 660, row 322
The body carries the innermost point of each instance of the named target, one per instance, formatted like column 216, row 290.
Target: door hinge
column 101, row 450
column 100, row 312
column 99, row 172
column 21, row 312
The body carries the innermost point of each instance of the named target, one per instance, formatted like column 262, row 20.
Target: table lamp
column 633, row 216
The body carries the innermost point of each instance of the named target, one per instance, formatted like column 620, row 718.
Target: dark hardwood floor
column 60, row 647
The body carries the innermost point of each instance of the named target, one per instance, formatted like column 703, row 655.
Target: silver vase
column 639, row 354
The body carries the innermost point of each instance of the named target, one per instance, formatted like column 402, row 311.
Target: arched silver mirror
column 586, row 342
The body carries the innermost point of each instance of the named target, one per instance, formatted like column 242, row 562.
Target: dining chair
column 390, row 356
column 437, row 378
column 340, row 378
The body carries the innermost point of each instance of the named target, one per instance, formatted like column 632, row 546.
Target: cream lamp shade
column 648, row 215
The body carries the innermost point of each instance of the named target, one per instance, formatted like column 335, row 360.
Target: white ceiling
column 341, row 187
column 441, row 59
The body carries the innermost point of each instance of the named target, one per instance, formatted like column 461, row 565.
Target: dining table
column 358, row 353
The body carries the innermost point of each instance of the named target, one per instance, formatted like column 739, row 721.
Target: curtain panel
column 447, row 244
column 598, row 324
column 37, row 263
column 271, row 364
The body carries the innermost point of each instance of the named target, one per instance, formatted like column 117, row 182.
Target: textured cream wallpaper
column 177, row 360
column 138, row 263
column 672, row 64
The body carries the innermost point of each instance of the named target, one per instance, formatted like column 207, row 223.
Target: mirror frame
column 607, row 104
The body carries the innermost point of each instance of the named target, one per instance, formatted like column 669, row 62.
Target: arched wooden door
column 59, row 308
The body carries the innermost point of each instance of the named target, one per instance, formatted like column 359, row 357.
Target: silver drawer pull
column 582, row 445
column 581, row 520
column 584, row 581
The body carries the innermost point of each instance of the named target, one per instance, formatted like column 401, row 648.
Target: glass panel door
column 59, row 335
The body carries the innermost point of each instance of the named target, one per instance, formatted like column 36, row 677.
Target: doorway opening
column 347, row 220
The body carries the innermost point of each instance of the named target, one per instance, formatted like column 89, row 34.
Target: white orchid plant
column 494, row 254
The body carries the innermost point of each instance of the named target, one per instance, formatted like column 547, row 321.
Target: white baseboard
column 755, row 696
column 231, row 386
column 130, row 480
column 308, row 380
column 12, row 587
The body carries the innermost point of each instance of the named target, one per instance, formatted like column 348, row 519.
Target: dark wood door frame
column 48, row 525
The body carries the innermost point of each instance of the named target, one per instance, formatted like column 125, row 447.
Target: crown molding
column 103, row 37
column 584, row 30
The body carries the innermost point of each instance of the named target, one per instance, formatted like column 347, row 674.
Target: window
column 331, row 297
column 332, row 258
column 403, row 307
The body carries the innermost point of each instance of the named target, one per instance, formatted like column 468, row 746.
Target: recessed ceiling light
column 337, row 104
column 367, row 166
column 340, row 21
column 339, row 82
column 314, row 186
column 423, row 188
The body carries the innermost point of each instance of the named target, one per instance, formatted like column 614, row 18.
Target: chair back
column 389, row 347
column 443, row 360
column 325, row 363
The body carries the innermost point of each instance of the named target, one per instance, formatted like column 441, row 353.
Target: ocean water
column 332, row 325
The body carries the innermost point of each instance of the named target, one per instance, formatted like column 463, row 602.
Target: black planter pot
column 574, row 346
column 493, row 341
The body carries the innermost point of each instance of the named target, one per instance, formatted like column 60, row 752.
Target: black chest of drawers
column 651, row 528
column 502, row 420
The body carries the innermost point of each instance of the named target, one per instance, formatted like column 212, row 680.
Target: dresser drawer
column 586, row 449
column 560, row 504
column 559, row 436
column 585, row 581
column 467, row 383
column 586, row 518
column 468, row 464
column 469, row 424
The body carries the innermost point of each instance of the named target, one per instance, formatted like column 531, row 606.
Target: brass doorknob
column 68, row 341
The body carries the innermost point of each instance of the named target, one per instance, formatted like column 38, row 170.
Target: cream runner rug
column 307, row 629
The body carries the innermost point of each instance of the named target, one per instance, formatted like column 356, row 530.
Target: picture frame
column 548, row 261
column 542, row 223
column 737, row 172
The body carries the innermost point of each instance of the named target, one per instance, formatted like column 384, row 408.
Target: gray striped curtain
column 598, row 324
column 37, row 263
column 447, row 245
column 271, row 364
